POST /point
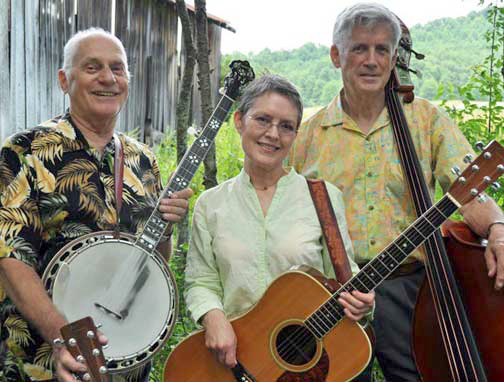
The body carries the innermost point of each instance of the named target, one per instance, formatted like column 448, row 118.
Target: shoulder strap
column 118, row 178
column 330, row 229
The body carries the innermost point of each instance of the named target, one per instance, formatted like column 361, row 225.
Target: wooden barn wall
column 30, row 91
column 148, row 30
column 32, row 36
column 4, row 69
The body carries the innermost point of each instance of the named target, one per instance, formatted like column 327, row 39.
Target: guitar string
column 421, row 224
column 299, row 336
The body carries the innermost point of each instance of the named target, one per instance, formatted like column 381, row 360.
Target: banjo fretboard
column 185, row 171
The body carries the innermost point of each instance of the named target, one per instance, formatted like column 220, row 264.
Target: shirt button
column 372, row 241
column 371, row 208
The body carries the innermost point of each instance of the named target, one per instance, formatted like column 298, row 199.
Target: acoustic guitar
column 298, row 330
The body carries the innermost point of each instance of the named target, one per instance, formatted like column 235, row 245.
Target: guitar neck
column 185, row 171
column 377, row 270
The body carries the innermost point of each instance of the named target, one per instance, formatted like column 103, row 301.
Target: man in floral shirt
column 57, row 184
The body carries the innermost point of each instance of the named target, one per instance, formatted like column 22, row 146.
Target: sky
column 289, row 24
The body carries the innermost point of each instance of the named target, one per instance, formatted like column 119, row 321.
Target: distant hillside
column 451, row 46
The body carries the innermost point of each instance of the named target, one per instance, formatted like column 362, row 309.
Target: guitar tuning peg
column 500, row 168
column 80, row 359
column 96, row 352
column 496, row 186
column 90, row 334
column 456, row 170
column 86, row 377
column 482, row 198
column 475, row 168
column 468, row 158
column 98, row 326
column 103, row 369
column 479, row 146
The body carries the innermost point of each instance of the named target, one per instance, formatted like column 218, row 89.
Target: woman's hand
column 220, row 337
column 357, row 304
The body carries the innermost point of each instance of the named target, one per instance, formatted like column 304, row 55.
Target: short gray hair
column 270, row 83
column 367, row 15
column 72, row 47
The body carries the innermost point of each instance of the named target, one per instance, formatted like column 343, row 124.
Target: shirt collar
column 244, row 179
column 66, row 126
column 335, row 116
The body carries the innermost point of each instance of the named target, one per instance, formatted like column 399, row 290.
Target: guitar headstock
column 81, row 340
column 240, row 75
column 480, row 173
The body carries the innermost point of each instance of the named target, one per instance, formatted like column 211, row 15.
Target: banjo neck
column 155, row 226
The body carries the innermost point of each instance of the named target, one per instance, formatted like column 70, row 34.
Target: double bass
column 459, row 316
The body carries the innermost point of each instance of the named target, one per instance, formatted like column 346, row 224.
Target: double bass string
column 436, row 271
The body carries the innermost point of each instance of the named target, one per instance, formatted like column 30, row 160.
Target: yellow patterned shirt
column 366, row 167
column 55, row 188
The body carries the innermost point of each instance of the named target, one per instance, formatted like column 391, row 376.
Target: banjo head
column 98, row 266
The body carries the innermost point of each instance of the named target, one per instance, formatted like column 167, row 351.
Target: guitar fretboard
column 185, row 171
column 377, row 270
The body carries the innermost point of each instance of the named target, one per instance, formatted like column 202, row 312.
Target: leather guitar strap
column 118, row 180
column 330, row 229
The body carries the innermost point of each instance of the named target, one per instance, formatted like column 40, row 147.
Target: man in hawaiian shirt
column 57, row 184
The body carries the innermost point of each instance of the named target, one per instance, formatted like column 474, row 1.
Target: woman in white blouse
column 253, row 227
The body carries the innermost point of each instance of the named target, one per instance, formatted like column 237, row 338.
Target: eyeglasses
column 264, row 122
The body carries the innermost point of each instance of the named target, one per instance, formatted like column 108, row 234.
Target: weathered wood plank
column 5, row 119
column 17, row 67
column 33, row 115
column 94, row 13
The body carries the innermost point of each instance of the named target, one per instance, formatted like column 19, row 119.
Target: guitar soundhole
column 296, row 345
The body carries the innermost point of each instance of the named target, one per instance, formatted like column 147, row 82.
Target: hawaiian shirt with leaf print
column 54, row 188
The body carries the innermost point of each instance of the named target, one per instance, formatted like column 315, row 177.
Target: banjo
column 122, row 281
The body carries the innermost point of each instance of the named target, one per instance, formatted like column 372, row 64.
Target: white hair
column 72, row 47
column 367, row 15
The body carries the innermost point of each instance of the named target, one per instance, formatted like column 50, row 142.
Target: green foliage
column 451, row 47
column 483, row 121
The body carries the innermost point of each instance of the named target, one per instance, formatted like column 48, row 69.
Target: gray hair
column 270, row 83
column 367, row 15
column 72, row 47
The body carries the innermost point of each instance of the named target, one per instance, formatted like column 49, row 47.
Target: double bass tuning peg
column 496, row 186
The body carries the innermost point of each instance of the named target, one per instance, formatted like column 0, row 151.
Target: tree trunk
column 183, row 105
column 210, row 177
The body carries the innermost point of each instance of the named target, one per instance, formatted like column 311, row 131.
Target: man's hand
column 66, row 365
column 357, row 304
column 494, row 255
column 174, row 208
column 220, row 337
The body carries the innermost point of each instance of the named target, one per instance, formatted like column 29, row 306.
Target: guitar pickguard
column 318, row 373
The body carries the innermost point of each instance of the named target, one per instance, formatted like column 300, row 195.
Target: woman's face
column 267, row 130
